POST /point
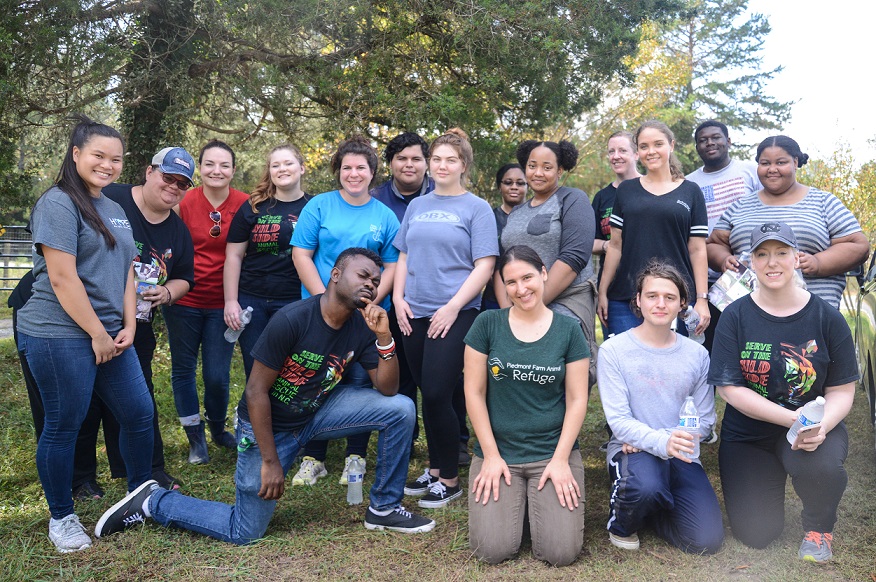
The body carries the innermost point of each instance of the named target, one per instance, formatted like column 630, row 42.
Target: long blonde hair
column 265, row 189
column 675, row 169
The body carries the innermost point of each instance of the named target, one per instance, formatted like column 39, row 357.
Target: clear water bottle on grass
column 689, row 421
column 812, row 413
column 691, row 320
column 355, row 476
column 231, row 335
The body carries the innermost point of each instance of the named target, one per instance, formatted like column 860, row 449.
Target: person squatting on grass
column 526, row 392
column 776, row 350
column 645, row 374
column 293, row 396
column 77, row 328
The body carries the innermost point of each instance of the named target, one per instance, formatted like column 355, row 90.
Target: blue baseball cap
column 176, row 161
column 778, row 231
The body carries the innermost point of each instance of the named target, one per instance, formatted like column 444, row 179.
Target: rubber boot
column 221, row 437
column 198, row 454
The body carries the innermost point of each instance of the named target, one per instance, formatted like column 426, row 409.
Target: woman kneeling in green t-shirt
column 526, row 394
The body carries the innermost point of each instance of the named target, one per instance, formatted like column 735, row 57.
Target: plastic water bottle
column 689, row 421
column 355, row 475
column 691, row 320
column 231, row 335
column 812, row 413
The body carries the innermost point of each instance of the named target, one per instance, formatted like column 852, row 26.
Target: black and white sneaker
column 127, row 512
column 440, row 495
column 399, row 520
column 420, row 485
column 711, row 439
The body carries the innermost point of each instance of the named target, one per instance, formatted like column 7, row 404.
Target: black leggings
column 753, row 476
column 436, row 365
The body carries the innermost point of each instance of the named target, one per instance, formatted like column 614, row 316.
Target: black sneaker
column 711, row 439
column 440, row 495
column 399, row 520
column 420, row 485
column 127, row 512
column 464, row 456
column 88, row 490
column 165, row 481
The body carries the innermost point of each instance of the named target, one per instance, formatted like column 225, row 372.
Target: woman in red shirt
column 196, row 322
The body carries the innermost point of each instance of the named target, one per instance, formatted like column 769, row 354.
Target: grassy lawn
column 316, row 535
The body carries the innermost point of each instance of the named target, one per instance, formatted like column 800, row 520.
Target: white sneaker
column 309, row 472
column 68, row 535
column 343, row 479
column 630, row 542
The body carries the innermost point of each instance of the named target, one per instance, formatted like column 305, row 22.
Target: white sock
column 145, row 507
column 193, row 420
column 380, row 513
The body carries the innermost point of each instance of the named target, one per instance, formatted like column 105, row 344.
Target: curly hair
column 566, row 152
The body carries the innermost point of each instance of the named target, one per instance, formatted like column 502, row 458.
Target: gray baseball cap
column 772, row 231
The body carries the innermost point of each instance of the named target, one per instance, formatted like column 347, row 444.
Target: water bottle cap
column 819, row 400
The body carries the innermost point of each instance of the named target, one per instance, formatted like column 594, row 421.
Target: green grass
column 316, row 535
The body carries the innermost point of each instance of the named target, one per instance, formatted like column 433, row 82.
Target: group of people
column 359, row 296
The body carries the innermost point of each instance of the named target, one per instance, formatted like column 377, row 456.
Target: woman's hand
column 809, row 264
column 629, row 449
column 813, row 442
column 403, row 314
column 602, row 309
column 487, row 481
column 731, row 263
column 702, row 309
column 442, row 321
column 104, row 348
column 680, row 442
column 568, row 490
column 123, row 340
column 232, row 314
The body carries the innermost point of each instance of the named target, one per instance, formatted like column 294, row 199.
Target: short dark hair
column 787, row 144
column 215, row 143
column 356, row 145
column 519, row 253
column 403, row 141
column 566, row 152
column 712, row 123
column 660, row 270
column 504, row 170
column 348, row 254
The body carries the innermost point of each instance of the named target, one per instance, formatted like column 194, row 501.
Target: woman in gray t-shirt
column 77, row 328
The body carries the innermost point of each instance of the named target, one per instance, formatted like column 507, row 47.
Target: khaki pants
column 496, row 529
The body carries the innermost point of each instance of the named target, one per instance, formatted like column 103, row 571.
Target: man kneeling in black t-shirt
column 292, row 396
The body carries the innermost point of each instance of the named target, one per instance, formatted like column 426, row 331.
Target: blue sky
column 827, row 49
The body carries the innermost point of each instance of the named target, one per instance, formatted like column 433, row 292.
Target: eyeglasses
column 518, row 183
column 216, row 229
column 170, row 180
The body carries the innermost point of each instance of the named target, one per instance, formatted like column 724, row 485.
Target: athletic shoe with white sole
column 68, row 535
column 399, row 520
column 630, row 542
column 309, row 472
column 343, row 479
column 127, row 512
column 420, row 485
column 440, row 495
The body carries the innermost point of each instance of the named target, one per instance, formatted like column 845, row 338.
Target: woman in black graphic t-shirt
column 776, row 350
column 259, row 271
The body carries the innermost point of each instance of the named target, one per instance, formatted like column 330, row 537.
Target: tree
column 315, row 70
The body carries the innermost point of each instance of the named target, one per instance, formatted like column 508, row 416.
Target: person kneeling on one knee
column 294, row 395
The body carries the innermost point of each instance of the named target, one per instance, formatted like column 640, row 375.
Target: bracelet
column 386, row 357
column 169, row 295
column 702, row 295
column 387, row 348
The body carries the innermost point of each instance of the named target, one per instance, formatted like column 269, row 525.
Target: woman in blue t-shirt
column 526, row 393
column 259, row 272
column 77, row 328
column 329, row 224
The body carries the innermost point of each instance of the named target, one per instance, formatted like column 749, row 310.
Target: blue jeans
column 189, row 330
column 348, row 411
column 357, row 444
column 262, row 311
column 672, row 496
column 67, row 375
column 621, row 317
